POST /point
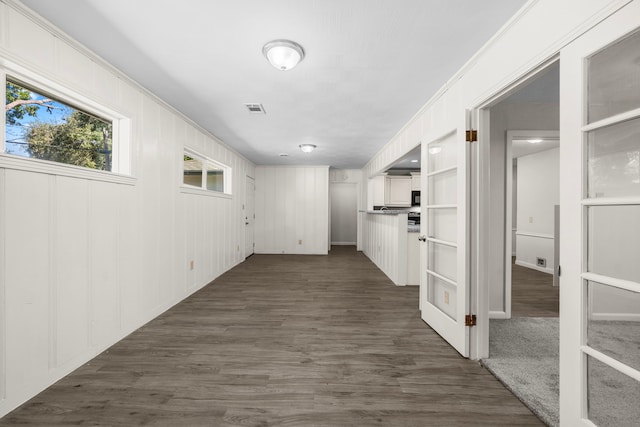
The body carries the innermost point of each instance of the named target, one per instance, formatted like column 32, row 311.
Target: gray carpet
column 524, row 356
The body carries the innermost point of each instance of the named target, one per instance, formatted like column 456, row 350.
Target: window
column 206, row 174
column 41, row 126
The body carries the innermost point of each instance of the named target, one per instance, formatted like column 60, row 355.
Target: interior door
column 444, row 280
column 600, row 224
column 249, row 216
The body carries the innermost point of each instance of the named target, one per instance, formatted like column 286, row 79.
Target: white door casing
column 600, row 222
column 249, row 216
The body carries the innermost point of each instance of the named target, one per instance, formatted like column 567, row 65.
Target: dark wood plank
column 287, row 341
column 533, row 293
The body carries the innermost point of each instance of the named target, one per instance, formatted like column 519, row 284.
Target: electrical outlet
column 191, row 265
column 541, row 262
column 446, row 297
column 300, row 241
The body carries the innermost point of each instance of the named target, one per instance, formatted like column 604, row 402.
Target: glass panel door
column 600, row 290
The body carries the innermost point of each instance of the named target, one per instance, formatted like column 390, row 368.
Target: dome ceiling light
column 283, row 54
column 307, row 148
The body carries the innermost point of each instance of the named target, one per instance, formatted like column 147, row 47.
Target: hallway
column 283, row 340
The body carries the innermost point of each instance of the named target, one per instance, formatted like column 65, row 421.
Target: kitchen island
column 387, row 242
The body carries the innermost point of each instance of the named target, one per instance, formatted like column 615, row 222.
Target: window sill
column 200, row 192
column 8, row 161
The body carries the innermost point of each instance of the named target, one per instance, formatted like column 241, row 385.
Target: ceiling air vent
column 255, row 108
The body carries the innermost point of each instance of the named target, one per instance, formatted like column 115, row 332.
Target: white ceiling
column 370, row 64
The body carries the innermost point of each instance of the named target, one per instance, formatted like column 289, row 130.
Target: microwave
column 415, row 198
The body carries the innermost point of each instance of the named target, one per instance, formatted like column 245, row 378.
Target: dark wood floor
column 283, row 341
column 533, row 293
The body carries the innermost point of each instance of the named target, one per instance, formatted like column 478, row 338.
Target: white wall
column 87, row 259
column 385, row 244
column 292, row 210
column 538, row 193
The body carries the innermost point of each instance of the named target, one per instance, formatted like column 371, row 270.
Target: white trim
column 611, row 201
column 202, row 192
column 441, row 242
column 441, row 277
column 498, row 315
column 617, row 283
column 618, row 317
column 3, row 309
column 9, row 161
column 343, row 243
column 533, row 266
column 611, row 362
column 536, row 235
column 622, row 117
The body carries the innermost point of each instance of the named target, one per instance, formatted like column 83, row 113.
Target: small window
column 40, row 126
column 204, row 173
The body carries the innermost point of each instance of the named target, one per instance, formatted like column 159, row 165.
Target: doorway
column 517, row 208
column 344, row 213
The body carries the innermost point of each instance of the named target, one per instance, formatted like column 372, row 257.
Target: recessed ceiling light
column 307, row 148
column 435, row 150
column 534, row 141
column 414, row 161
column 283, row 54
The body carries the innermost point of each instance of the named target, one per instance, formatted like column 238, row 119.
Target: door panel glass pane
column 442, row 259
column 442, row 295
column 442, row 154
column 442, row 188
column 612, row 396
column 613, row 323
column 614, row 80
column 442, row 224
column 614, row 242
column 614, row 160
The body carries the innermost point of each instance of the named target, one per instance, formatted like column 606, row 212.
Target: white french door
column 600, row 224
column 444, row 294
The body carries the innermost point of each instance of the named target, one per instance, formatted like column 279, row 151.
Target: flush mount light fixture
column 307, row 148
column 435, row 149
column 283, row 54
column 534, row 141
column 414, row 161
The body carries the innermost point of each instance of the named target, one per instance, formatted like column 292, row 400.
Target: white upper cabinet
column 415, row 181
column 398, row 191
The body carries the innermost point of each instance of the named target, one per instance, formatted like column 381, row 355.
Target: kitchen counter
column 387, row 212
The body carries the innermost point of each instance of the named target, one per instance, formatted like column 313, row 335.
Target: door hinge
column 472, row 135
column 470, row 320
column 559, row 271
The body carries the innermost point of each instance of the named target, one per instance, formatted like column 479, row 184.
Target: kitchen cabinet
column 397, row 191
column 415, row 181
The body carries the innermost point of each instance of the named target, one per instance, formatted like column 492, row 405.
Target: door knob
column 422, row 238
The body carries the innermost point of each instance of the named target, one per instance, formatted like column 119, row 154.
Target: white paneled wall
column 85, row 260
column 292, row 210
column 386, row 244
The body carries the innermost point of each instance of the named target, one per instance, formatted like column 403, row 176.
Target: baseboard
column 343, row 243
column 498, row 315
column 620, row 317
column 534, row 267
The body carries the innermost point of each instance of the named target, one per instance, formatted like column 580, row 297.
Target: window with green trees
column 42, row 127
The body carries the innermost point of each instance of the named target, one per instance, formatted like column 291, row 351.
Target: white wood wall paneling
column 3, row 239
column 85, row 263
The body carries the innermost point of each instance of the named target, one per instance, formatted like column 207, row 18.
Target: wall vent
column 255, row 108
column 541, row 262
